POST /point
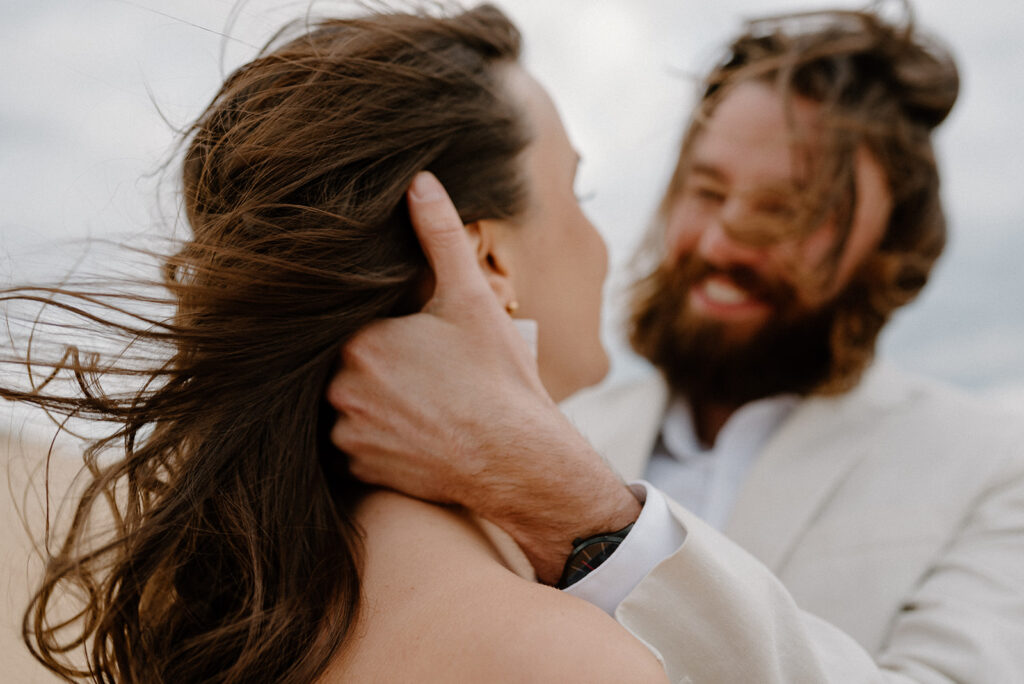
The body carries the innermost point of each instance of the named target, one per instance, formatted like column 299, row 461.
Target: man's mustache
column 687, row 272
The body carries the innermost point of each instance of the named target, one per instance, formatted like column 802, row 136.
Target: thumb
column 445, row 243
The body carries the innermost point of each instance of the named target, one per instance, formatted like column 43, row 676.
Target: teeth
column 724, row 292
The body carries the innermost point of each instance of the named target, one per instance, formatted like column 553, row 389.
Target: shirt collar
column 749, row 427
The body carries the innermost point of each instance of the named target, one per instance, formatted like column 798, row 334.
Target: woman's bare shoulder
column 537, row 634
column 439, row 605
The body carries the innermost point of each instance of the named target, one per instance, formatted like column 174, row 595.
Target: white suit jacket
column 879, row 537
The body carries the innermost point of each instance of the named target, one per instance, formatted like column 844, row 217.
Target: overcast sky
column 84, row 83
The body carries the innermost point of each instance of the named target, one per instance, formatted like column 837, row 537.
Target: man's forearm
column 575, row 495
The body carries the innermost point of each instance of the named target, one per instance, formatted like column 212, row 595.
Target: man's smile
column 719, row 296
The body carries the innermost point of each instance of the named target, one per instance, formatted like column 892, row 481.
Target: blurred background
column 91, row 92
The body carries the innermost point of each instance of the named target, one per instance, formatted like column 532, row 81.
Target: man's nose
column 719, row 246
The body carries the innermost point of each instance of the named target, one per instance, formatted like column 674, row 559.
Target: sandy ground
column 22, row 503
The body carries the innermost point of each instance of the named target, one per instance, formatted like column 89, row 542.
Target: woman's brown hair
column 233, row 555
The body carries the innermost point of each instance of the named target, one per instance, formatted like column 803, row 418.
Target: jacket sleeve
column 714, row 613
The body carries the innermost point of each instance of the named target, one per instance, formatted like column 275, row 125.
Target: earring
column 512, row 307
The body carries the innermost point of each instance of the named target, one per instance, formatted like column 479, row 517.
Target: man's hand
column 446, row 405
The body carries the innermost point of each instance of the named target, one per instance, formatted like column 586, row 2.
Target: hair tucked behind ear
column 232, row 554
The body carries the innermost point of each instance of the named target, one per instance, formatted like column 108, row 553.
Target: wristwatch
column 589, row 553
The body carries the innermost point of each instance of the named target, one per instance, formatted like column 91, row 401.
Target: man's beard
column 793, row 352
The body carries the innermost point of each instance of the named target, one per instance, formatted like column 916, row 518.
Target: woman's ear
column 495, row 257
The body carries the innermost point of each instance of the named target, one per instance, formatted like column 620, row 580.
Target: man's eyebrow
column 780, row 187
column 704, row 169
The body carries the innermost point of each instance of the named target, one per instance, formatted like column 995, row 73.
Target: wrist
column 554, row 488
column 549, row 542
column 589, row 553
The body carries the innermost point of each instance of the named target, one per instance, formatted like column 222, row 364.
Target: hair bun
column 928, row 83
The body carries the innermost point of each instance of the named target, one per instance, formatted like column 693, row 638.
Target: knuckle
column 339, row 395
column 340, row 435
column 445, row 233
column 335, row 393
column 353, row 353
column 367, row 348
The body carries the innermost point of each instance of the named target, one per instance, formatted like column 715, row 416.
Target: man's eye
column 708, row 194
column 777, row 209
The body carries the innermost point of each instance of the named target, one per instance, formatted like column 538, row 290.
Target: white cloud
column 1009, row 396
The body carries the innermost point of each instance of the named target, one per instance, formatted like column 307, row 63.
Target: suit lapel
column 645, row 408
column 622, row 420
column 803, row 465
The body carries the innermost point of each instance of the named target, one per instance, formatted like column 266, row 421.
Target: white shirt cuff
column 655, row 536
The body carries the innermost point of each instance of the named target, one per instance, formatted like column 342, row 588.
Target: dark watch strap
column 587, row 554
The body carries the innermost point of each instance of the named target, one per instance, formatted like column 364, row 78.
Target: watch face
column 588, row 558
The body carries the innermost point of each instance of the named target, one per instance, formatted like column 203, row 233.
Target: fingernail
column 426, row 187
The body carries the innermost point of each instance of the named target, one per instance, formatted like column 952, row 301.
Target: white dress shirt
column 706, row 480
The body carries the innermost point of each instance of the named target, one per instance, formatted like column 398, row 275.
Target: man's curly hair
column 882, row 85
